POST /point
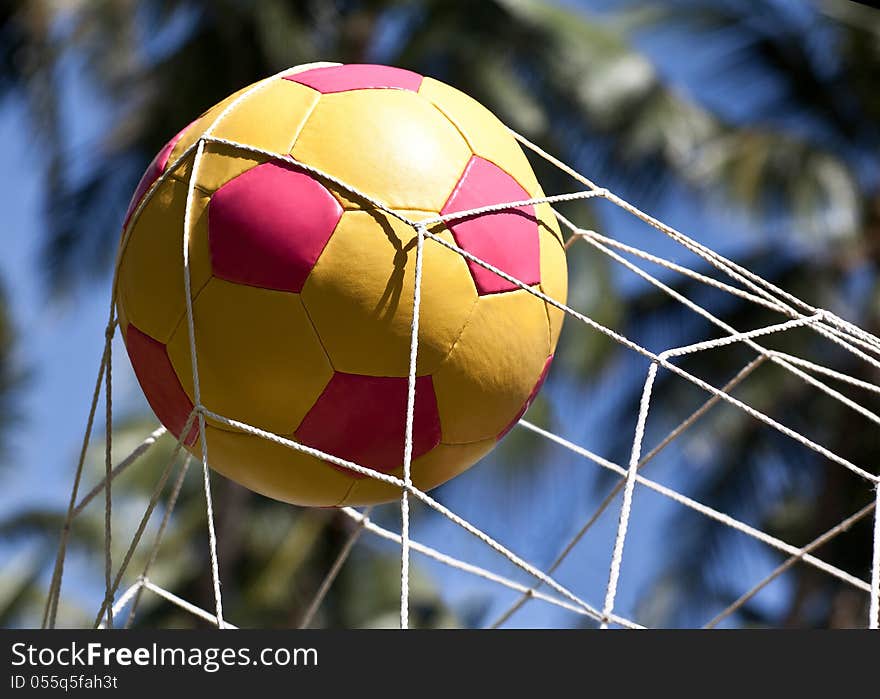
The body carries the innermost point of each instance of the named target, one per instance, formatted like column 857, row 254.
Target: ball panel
column 530, row 399
column 507, row 239
column 274, row 470
column 150, row 279
column 484, row 132
column 363, row 419
column 269, row 118
column 480, row 356
column 399, row 149
column 359, row 296
column 490, row 372
column 153, row 172
column 280, row 98
column 554, row 279
column 357, row 76
column 443, row 462
column 192, row 132
column 260, row 361
column 160, row 384
column 269, row 225
column 303, row 67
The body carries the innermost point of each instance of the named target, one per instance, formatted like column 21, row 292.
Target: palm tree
column 571, row 82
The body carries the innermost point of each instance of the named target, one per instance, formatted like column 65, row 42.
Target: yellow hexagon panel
column 198, row 126
column 260, row 361
column 554, row 277
column 150, row 285
column 360, row 295
column 483, row 131
column 484, row 382
column 270, row 116
column 443, row 462
column 392, row 145
column 274, row 470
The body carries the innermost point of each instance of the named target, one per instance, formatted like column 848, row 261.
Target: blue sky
column 60, row 342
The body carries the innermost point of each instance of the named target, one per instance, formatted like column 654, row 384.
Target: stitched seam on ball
column 451, row 348
column 550, row 347
column 463, row 138
column 454, row 124
column 315, row 329
column 305, row 123
column 467, row 443
column 473, row 150
column 458, row 335
column 183, row 313
column 347, row 494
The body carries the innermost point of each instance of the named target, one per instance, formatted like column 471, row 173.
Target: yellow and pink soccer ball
column 302, row 291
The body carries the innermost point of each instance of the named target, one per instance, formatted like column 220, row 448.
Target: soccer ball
column 302, row 289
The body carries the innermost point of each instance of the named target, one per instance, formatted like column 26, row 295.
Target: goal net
column 709, row 273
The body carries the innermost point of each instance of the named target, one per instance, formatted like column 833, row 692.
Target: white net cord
column 742, row 283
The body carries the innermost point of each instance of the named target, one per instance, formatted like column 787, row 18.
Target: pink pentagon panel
column 507, row 239
column 153, row 172
column 357, row 76
column 363, row 419
column 268, row 226
column 160, row 383
column 530, row 399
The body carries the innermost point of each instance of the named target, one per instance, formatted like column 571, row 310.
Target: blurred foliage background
column 765, row 113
